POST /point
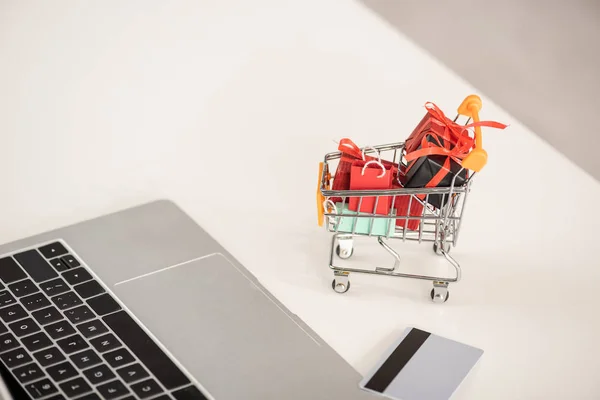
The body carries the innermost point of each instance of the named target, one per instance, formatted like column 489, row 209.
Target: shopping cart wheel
column 344, row 251
column 340, row 284
column 439, row 293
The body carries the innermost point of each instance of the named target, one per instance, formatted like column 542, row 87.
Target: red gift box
column 370, row 175
column 402, row 204
column 438, row 137
column 436, row 123
column 428, row 124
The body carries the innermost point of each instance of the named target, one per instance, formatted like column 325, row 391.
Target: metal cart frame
column 439, row 226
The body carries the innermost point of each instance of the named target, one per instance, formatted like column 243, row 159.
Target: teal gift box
column 381, row 226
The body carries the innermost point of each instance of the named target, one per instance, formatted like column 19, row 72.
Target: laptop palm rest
column 232, row 337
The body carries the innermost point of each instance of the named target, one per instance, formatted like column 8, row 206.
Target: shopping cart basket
column 439, row 226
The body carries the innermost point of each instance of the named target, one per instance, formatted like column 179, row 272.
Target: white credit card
column 421, row 366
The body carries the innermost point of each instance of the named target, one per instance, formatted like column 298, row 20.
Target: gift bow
column 453, row 134
column 350, row 151
column 442, row 147
column 348, row 147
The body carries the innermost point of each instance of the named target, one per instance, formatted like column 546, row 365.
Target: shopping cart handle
column 320, row 198
column 477, row 158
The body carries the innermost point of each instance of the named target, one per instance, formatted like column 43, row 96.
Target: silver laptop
column 144, row 304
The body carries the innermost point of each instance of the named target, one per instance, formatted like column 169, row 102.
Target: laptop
column 145, row 304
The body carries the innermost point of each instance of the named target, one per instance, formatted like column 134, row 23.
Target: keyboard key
column 80, row 314
column 92, row 396
column 62, row 371
column 85, row 359
column 163, row 397
column 105, row 343
column 119, row 357
column 35, row 301
column 98, row 374
column 189, row 393
column 103, row 304
column 112, row 390
column 59, row 265
column 54, row 287
column 16, row 357
column 6, row 299
column 75, row 387
column 3, row 328
column 23, row 288
column 92, row 328
column 53, row 250
column 47, row 315
column 72, row 344
column 70, row 261
column 148, row 352
column 36, row 342
column 8, row 342
column 24, row 327
column 77, row 275
column 12, row 313
column 58, row 397
column 132, row 373
column 146, row 388
column 35, row 265
column 66, row 300
column 59, row 330
column 49, row 356
column 28, row 373
column 10, row 271
column 89, row 289
column 41, row 388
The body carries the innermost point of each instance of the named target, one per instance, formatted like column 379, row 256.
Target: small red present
column 436, row 123
column 435, row 150
column 402, row 204
column 371, row 175
column 428, row 124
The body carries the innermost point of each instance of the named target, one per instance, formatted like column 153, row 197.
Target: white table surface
column 227, row 108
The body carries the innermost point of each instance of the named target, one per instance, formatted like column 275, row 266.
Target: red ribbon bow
column 350, row 152
column 348, row 147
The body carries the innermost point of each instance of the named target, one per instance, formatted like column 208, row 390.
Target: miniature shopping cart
column 436, row 225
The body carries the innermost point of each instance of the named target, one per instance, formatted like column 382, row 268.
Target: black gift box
column 422, row 170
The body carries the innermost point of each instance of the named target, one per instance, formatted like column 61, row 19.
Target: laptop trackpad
column 235, row 340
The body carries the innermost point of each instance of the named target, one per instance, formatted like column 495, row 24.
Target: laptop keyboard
column 63, row 336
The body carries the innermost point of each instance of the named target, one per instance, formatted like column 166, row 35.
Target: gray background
column 538, row 59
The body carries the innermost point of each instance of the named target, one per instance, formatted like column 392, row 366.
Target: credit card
column 421, row 366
